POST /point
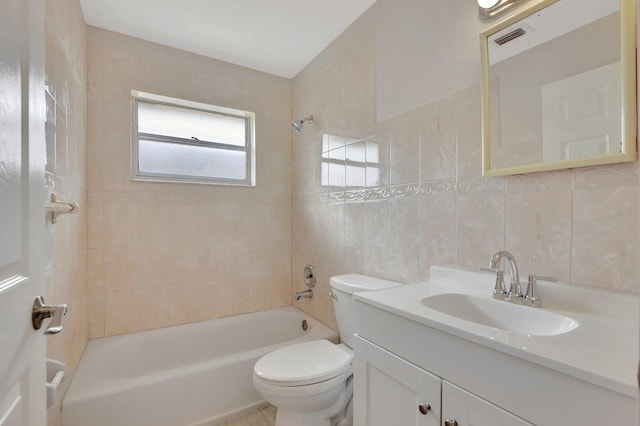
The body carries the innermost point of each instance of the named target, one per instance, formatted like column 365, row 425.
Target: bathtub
column 193, row 374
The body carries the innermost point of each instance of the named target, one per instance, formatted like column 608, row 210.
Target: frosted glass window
column 185, row 123
column 178, row 140
column 188, row 160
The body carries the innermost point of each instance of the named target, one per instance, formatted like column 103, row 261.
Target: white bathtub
column 191, row 374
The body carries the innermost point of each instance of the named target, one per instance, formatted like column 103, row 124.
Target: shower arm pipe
column 299, row 124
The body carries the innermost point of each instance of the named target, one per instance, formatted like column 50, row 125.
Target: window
column 182, row 141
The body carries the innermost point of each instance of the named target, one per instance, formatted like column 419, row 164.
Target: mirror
column 559, row 87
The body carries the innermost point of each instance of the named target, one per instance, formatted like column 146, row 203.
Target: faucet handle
column 541, row 278
column 532, row 290
column 499, row 290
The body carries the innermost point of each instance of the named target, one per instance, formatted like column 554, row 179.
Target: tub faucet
column 304, row 294
column 515, row 290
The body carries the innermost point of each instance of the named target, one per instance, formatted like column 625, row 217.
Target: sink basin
column 501, row 315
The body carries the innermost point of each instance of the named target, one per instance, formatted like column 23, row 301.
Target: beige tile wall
column 66, row 241
column 430, row 205
column 163, row 254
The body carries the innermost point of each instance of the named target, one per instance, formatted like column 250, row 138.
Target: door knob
column 424, row 408
column 450, row 422
column 40, row 312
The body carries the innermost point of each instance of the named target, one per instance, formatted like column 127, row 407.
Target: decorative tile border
column 425, row 189
column 336, row 197
column 437, row 187
column 405, row 190
column 355, row 196
column 379, row 193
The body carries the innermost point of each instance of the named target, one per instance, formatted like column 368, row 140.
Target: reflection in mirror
column 349, row 164
column 559, row 87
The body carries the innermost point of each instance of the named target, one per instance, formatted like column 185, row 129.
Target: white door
column 22, row 350
column 581, row 115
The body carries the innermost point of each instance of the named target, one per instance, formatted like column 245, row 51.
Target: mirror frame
column 628, row 97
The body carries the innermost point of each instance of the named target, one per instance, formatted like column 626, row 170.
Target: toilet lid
column 303, row 363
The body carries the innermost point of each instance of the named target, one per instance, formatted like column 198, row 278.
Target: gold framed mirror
column 559, row 87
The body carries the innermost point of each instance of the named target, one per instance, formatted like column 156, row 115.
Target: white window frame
column 248, row 148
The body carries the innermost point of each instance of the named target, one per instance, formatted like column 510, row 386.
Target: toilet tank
column 343, row 287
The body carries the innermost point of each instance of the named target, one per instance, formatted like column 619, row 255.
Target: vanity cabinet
column 389, row 390
column 467, row 409
column 416, row 339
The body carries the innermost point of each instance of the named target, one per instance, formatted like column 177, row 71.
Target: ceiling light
column 487, row 4
column 491, row 8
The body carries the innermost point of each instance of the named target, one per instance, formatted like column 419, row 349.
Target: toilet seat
column 304, row 363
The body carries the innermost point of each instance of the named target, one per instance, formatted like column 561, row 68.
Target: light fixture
column 491, row 8
column 487, row 4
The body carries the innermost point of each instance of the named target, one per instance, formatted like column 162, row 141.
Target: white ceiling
column 275, row 36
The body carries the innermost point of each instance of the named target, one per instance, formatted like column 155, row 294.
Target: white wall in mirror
column 547, row 24
column 578, row 111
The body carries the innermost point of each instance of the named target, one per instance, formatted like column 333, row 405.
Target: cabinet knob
column 424, row 408
column 450, row 422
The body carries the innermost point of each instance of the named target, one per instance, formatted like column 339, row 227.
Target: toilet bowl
column 306, row 381
column 311, row 383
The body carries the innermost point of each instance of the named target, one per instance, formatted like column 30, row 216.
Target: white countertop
column 602, row 350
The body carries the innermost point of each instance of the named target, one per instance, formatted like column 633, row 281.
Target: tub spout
column 304, row 294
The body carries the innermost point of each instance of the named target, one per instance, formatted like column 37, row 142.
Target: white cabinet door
column 390, row 391
column 22, row 350
column 460, row 408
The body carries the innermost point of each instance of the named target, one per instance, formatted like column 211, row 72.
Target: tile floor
column 265, row 416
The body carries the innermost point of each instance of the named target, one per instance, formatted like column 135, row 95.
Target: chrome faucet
column 515, row 294
column 515, row 290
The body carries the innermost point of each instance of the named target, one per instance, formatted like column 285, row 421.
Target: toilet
column 311, row 383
